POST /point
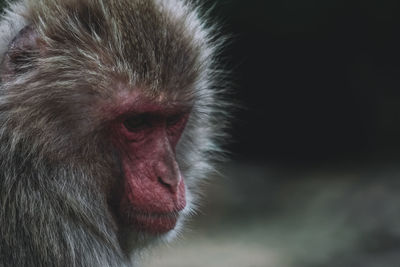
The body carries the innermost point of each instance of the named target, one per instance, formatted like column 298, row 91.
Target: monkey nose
column 168, row 176
column 169, row 182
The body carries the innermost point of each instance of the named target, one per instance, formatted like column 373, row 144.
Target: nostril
column 160, row 180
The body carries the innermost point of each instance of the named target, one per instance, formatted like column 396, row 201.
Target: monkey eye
column 135, row 123
column 173, row 120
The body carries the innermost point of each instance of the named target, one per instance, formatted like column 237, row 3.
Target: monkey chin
column 154, row 223
column 150, row 222
column 148, row 229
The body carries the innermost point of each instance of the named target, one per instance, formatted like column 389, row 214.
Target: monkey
column 112, row 114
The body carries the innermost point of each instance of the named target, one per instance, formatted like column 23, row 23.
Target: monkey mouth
column 154, row 223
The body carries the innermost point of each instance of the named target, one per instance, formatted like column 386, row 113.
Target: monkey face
column 145, row 135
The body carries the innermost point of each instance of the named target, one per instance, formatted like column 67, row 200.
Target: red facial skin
column 146, row 134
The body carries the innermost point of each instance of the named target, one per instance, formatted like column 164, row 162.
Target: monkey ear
column 22, row 51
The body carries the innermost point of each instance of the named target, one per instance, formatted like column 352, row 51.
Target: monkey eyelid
column 175, row 119
column 136, row 122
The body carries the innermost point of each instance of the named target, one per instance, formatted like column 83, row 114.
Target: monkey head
column 123, row 92
column 110, row 116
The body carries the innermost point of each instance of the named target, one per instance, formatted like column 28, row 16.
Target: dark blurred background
column 319, row 79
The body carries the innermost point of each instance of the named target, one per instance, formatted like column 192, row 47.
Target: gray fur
column 56, row 163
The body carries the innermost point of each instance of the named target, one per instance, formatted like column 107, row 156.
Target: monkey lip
column 155, row 223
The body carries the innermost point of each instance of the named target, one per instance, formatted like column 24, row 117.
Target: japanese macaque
column 110, row 115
